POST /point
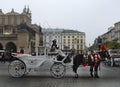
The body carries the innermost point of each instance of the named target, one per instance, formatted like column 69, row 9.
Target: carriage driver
column 94, row 63
column 54, row 46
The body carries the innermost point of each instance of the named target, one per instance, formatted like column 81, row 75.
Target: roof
column 72, row 31
column 1, row 13
column 52, row 30
column 60, row 30
column 12, row 13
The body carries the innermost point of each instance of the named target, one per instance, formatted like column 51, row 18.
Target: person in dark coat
column 99, row 42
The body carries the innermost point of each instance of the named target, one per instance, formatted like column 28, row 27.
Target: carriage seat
column 52, row 53
column 60, row 58
column 67, row 60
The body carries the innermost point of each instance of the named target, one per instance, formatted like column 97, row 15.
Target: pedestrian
column 99, row 42
column 103, row 52
column 94, row 60
column 102, row 47
column 22, row 51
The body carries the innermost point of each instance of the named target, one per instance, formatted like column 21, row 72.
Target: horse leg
column 91, row 70
column 75, row 67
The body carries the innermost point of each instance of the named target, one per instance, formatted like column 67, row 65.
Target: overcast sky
column 93, row 17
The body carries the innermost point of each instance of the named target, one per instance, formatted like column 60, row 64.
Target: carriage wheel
column 17, row 68
column 57, row 70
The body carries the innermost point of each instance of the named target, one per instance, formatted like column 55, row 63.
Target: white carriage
column 23, row 63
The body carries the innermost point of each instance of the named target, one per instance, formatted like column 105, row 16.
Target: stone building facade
column 72, row 39
column 66, row 39
column 113, row 34
column 17, row 32
column 117, row 31
column 51, row 34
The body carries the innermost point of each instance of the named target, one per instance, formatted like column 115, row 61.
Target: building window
column 64, row 37
column 68, row 40
column 7, row 31
column 77, row 41
column 1, row 31
column 73, row 41
column 81, row 41
column 77, row 47
column 64, row 41
column 81, row 47
column 14, row 30
column 68, row 46
column 68, row 36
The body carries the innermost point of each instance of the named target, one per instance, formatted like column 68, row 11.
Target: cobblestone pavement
column 109, row 77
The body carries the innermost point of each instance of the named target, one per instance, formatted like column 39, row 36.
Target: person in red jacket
column 103, row 52
column 102, row 47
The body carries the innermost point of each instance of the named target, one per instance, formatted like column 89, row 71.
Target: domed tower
column 28, row 12
column 26, row 15
column 24, row 10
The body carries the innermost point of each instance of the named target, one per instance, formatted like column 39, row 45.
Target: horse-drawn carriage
column 24, row 63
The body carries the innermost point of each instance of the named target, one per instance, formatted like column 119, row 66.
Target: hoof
column 91, row 75
column 96, row 76
column 76, row 75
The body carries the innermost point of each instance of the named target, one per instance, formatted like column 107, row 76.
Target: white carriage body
column 26, row 62
column 34, row 61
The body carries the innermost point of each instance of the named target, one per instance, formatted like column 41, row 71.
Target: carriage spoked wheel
column 57, row 70
column 17, row 68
